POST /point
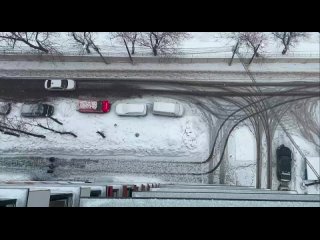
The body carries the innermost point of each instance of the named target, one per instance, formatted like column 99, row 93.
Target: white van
column 167, row 109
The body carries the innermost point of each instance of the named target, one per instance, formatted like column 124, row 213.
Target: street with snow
column 227, row 123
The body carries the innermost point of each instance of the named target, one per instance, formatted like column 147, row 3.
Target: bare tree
column 254, row 41
column 40, row 41
column 87, row 41
column 289, row 39
column 162, row 42
column 80, row 38
column 128, row 38
column 15, row 127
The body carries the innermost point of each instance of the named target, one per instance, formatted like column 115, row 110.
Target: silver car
column 131, row 109
column 167, row 109
column 5, row 108
column 60, row 85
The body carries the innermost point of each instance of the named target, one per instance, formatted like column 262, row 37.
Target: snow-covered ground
column 146, row 139
column 150, row 137
column 200, row 44
column 215, row 44
column 240, row 166
column 292, row 67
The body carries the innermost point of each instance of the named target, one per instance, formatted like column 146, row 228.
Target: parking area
column 184, row 138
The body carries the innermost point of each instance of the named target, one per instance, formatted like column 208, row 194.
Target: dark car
column 284, row 161
column 5, row 108
column 37, row 110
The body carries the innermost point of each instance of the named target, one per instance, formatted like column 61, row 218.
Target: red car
column 94, row 106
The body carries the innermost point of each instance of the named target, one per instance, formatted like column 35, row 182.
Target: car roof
column 56, row 83
column 165, row 107
column 88, row 104
column 29, row 107
column 132, row 107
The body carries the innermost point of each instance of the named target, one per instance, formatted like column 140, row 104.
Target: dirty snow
column 212, row 67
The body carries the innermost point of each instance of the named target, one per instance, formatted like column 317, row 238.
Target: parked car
column 5, row 108
column 131, row 109
column 37, row 110
column 284, row 160
column 60, row 85
column 167, row 109
column 94, row 106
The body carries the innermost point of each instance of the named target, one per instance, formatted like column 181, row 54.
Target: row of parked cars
column 158, row 108
column 122, row 109
column 132, row 109
column 104, row 106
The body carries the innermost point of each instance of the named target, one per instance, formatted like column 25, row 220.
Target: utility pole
column 254, row 53
column 125, row 43
column 234, row 49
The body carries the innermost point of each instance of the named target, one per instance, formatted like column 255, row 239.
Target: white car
column 60, row 84
column 167, row 109
column 131, row 109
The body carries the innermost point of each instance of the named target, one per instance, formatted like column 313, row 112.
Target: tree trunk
column 286, row 46
column 155, row 51
column 284, row 51
column 88, row 48
column 132, row 48
column 234, row 52
column 269, row 160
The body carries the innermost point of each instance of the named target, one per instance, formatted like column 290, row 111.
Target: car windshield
column 39, row 109
column 48, row 83
column 64, row 83
column 285, row 163
column 99, row 105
